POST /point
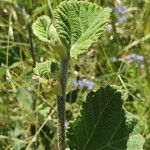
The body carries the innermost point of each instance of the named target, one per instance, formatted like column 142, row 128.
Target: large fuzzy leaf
column 76, row 25
column 79, row 24
column 102, row 124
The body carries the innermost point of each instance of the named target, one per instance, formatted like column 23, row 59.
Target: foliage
column 41, row 28
column 102, row 124
column 120, row 57
column 79, row 24
column 25, row 99
column 42, row 68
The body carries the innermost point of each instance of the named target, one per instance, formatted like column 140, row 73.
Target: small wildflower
column 121, row 13
column 88, row 84
column 121, row 19
column 81, row 84
column 120, row 9
column 135, row 58
column 84, row 83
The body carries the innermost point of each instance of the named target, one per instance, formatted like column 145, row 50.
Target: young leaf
column 41, row 28
column 46, row 32
column 102, row 124
column 79, row 24
column 42, row 68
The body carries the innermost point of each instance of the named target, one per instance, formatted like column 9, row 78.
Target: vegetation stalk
column 61, row 103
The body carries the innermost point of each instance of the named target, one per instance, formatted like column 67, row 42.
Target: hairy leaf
column 79, row 24
column 41, row 28
column 102, row 124
column 46, row 32
column 135, row 142
column 42, row 68
column 25, row 99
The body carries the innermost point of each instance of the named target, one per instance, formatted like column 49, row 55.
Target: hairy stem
column 31, row 45
column 61, row 103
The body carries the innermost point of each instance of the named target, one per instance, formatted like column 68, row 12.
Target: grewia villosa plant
column 74, row 27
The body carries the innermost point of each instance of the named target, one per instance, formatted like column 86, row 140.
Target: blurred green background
column 121, row 57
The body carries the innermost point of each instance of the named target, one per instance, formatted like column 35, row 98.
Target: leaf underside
column 41, row 28
column 79, row 24
column 102, row 123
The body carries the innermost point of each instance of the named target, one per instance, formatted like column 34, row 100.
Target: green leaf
column 102, row 124
column 42, row 68
column 25, row 99
column 46, row 32
column 131, row 122
column 79, row 24
column 41, row 28
column 136, row 142
column 76, row 26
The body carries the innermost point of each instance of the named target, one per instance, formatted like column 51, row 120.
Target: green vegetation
column 40, row 41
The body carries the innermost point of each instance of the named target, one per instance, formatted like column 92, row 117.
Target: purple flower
column 81, row 84
column 88, row 84
column 75, row 83
column 120, row 9
column 84, row 83
column 135, row 58
column 121, row 19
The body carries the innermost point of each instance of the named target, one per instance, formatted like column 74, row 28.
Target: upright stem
column 61, row 103
column 31, row 45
